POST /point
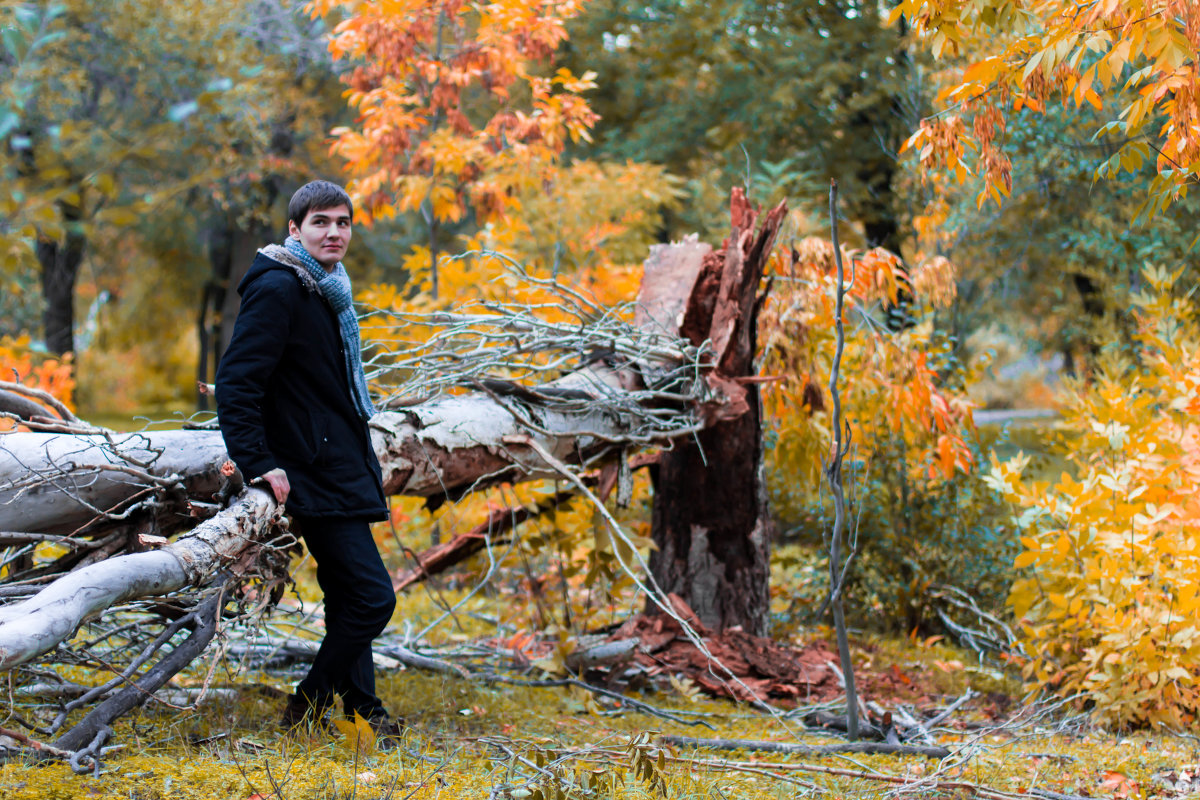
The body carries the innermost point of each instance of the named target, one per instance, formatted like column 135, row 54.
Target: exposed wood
column 605, row 654
column 710, row 519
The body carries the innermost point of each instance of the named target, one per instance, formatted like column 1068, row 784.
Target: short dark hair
column 317, row 196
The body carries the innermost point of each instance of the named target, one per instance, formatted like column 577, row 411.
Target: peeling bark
column 35, row 626
column 710, row 519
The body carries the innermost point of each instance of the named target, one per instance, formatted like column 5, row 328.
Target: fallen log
column 444, row 448
column 32, row 627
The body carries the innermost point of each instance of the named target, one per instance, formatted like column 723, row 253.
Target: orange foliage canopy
column 890, row 391
column 1027, row 53
column 18, row 364
column 452, row 113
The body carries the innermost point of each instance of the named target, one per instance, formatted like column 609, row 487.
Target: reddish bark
column 710, row 519
column 445, row 555
column 764, row 669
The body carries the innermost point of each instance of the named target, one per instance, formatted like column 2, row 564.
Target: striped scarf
column 335, row 288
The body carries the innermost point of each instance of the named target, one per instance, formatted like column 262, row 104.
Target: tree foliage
column 454, row 116
column 113, row 113
column 1030, row 53
column 1107, row 605
column 779, row 97
column 911, row 468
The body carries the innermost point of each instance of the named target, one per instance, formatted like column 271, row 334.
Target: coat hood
column 275, row 256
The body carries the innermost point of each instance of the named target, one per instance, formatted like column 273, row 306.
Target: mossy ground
column 234, row 749
column 467, row 739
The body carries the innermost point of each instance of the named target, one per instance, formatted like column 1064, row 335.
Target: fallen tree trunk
column 58, row 483
column 445, row 448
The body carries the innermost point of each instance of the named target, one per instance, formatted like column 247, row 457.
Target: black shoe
column 389, row 733
column 299, row 713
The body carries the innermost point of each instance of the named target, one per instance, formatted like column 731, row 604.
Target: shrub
column 1108, row 594
column 922, row 515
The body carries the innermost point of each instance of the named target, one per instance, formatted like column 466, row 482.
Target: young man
column 293, row 408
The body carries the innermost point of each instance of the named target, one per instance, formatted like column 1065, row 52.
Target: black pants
column 358, row 604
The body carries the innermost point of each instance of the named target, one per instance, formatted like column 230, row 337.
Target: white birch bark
column 37, row 625
column 56, row 482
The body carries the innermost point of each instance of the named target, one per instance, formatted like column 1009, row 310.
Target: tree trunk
column 710, row 520
column 59, row 260
column 231, row 250
column 711, row 526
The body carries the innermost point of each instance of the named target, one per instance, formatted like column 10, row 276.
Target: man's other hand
column 278, row 480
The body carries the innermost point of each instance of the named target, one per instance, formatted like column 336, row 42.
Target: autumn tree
column 245, row 204
column 454, row 116
column 1056, row 265
column 1030, row 54
column 112, row 112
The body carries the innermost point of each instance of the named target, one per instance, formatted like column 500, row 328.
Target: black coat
column 283, row 398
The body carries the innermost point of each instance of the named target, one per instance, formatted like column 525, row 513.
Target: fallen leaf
column 358, row 732
column 1118, row 784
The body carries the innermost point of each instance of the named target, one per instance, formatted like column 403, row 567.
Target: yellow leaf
column 358, row 733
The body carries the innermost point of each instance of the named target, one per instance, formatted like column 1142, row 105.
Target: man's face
column 325, row 234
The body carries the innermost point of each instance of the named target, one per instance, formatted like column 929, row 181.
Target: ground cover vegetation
column 1016, row 224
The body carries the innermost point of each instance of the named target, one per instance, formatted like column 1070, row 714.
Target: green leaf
column 13, row 41
column 27, row 17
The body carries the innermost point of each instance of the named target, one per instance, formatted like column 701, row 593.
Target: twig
column 41, row 397
column 93, row 726
column 833, row 471
column 928, row 785
column 417, row 661
column 950, row 709
column 629, row 701
column 40, row 747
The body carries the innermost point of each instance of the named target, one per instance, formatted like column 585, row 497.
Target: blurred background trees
column 1019, row 173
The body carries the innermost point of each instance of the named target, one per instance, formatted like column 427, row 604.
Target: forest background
column 1013, row 194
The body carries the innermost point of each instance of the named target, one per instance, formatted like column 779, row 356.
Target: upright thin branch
column 833, row 471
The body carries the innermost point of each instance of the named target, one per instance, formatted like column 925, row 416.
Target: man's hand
column 278, row 481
